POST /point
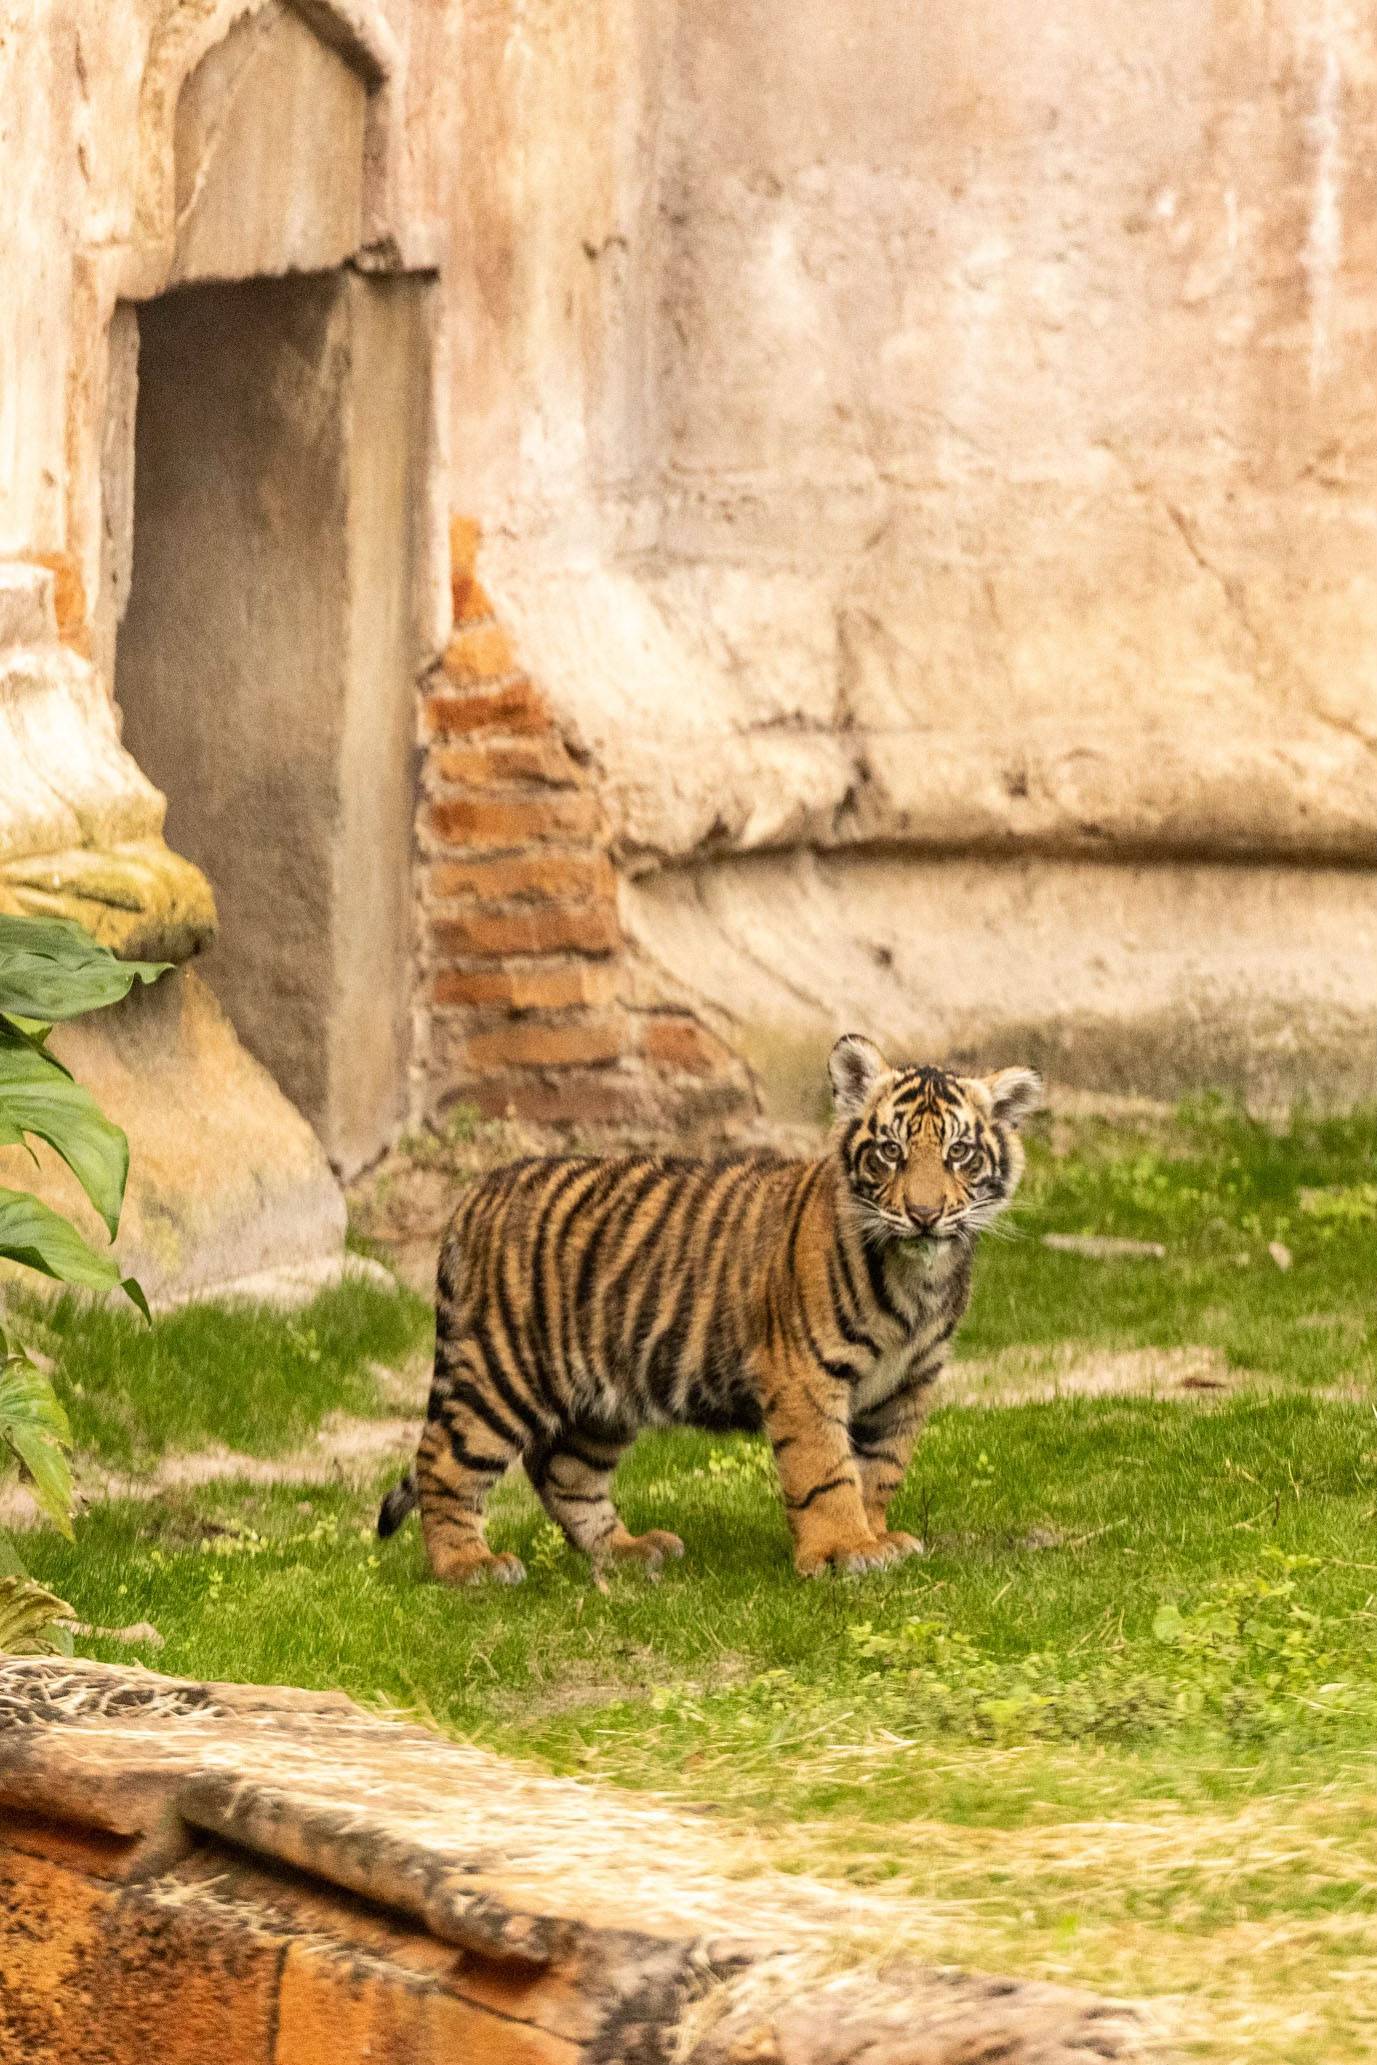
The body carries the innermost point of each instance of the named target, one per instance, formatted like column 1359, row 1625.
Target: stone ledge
column 266, row 1876
column 138, row 897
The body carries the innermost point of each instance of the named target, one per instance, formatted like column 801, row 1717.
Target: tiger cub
column 582, row 1299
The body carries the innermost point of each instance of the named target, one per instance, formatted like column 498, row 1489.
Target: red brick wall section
column 524, row 993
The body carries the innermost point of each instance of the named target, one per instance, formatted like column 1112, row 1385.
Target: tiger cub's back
column 630, row 1286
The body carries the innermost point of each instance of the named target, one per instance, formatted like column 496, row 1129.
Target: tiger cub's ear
column 1014, row 1092
column 855, row 1065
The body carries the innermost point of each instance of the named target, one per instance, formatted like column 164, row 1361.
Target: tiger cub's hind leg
column 460, row 1458
column 572, row 1472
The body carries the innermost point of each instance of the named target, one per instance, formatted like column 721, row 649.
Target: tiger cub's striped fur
column 583, row 1299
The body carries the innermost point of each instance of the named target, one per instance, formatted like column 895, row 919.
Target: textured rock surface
column 227, row 1181
column 1131, row 978
column 1014, row 383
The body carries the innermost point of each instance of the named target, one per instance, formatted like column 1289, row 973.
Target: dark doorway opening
column 267, row 659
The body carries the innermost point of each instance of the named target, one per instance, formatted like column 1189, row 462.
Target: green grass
column 242, row 1376
column 1129, row 1572
column 1117, row 1727
column 1217, row 1189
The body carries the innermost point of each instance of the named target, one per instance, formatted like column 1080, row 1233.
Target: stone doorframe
column 269, row 146
column 143, row 265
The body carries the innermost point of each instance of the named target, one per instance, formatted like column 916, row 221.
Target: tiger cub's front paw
column 850, row 1557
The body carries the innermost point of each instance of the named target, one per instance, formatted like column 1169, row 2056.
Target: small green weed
column 1243, row 1656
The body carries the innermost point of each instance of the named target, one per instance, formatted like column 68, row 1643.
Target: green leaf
column 43, row 1240
column 35, row 1429
column 12, row 1135
column 29, row 1619
column 33, row 1034
column 38, row 1097
column 51, row 969
column 1167, row 1622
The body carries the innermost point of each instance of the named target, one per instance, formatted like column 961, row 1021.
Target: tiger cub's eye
column 889, row 1151
column 961, row 1154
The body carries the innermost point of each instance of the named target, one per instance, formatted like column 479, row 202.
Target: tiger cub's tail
column 400, row 1501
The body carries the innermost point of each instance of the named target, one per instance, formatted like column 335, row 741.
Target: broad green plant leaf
column 33, row 1034
column 51, row 969
column 12, row 1135
column 31, row 1619
column 34, row 1427
column 43, row 1240
column 39, row 1097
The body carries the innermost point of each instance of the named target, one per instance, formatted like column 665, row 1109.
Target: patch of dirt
column 344, row 1450
column 1074, row 1369
column 407, row 1388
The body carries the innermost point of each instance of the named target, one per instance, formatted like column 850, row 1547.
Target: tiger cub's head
column 928, row 1155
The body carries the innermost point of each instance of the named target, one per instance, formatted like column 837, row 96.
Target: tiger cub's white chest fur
column 920, row 1281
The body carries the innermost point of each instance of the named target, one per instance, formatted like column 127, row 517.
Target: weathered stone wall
column 1013, row 383
column 936, row 440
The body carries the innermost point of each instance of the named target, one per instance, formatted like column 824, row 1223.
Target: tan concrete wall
column 926, row 433
column 1014, row 381
column 536, row 128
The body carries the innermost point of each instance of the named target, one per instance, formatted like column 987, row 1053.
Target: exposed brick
column 535, row 986
column 94, row 1852
column 551, row 928
column 335, row 2013
column 559, row 2000
column 503, row 821
column 464, row 535
column 519, row 708
column 472, row 603
column 184, row 1980
column 50, row 1925
column 544, row 760
column 674, row 1040
column 518, row 904
column 594, row 1097
column 332, row 2010
column 481, row 652
column 455, row 2029
column 544, row 875
column 686, row 1103
column 548, row 1043
column 183, row 1972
